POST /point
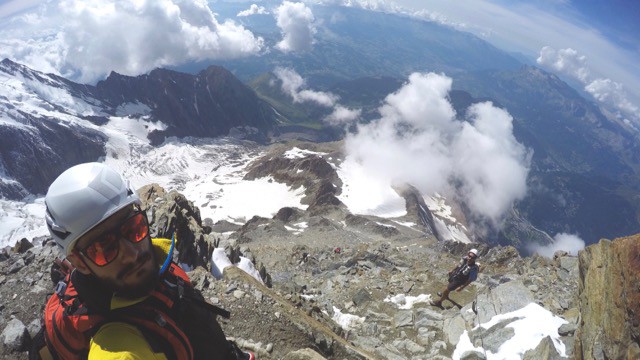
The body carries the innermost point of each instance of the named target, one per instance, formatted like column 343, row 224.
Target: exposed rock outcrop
column 208, row 104
column 171, row 213
column 609, row 288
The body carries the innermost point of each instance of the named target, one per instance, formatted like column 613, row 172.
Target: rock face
column 609, row 289
column 36, row 147
column 169, row 213
column 208, row 104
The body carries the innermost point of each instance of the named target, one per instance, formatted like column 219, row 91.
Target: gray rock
column 505, row 298
column 34, row 327
column 379, row 317
column 569, row 263
column 303, row 354
column 493, row 337
column 16, row 266
column 563, row 274
column 361, row 297
column 453, row 328
column 15, row 336
column 425, row 336
column 389, row 352
column 472, row 355
column 567, row 329
column 428, row 318
column 369, row 328
column 409, row 346
column 569, row 343
column 407, row 287
column 403, row 318
column 545, row 350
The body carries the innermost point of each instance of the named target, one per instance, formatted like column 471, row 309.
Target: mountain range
column 584, row 167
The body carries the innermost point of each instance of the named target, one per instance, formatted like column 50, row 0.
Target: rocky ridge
column 321, row 265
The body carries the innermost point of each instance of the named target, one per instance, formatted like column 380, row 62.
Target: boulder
column 504, row 298
column 15, row 336
column 545, row 350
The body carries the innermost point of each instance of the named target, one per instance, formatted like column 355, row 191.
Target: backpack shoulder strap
column 68, row 322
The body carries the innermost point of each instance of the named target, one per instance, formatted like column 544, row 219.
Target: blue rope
column 167, row 261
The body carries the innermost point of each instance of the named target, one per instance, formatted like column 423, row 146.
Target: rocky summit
column 334, row 285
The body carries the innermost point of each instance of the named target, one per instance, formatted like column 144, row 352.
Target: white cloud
column 418, row 140
column 12, row 7
column 87, row 40
column 526, row 27
column 606, row 91
column 342, row 115
column 489, row 161
column 612, row 93
column 253, row 10
column 296, row 21
column 375, row 5
column 292, row 84
column 568, row 242
column 565, row 61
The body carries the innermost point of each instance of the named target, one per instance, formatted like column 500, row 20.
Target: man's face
column 471, row 256
column 133, row 271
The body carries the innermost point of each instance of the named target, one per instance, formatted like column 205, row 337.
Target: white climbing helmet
column 474, row 252
column 82, row 197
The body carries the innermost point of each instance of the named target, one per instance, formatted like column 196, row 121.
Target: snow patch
column 403, row 301
column 347, row 321
column 297, row 153
column 367, row 195
column 531, row 324
column 220, row 261
column 21, row 220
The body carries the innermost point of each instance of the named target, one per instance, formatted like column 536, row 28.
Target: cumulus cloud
column 296, row 21
column 611, row 92
column 293, row 84
column 606, row 91
column 253, row 10
column 90, row 39
column 418, row 140
column 568, row 242
column 566, row 61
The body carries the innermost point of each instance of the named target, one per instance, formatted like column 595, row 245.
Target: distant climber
column 462, row 275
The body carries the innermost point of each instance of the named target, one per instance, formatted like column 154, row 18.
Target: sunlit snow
column 24, row 220
column 531, row 324
column 403, row 301
column 366, row 195
column 297, row 153
column 220, row 261
column 446, row 224
column 347, row 321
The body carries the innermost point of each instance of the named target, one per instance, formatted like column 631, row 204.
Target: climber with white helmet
column 462, row 275
column 119, row 295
